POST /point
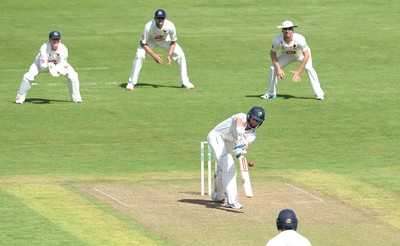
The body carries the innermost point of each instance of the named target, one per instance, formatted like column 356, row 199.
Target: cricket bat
column 244, row 169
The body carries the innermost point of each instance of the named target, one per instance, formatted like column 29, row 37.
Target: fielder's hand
column 62, row 68
column 158, row 58
column 296, row 76
column 53, row 70
column 280, row 74
column 169, row 61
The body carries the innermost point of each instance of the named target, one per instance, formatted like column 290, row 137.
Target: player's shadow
column 209, row 204
column 43, row 101
column 284, row 96
column 123, row 85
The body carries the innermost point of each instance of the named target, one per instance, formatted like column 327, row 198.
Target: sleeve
column 63, row 55
column 42, row 56
column 173, row 32
column 303, row 44
column 276, row 44
column 145, row 34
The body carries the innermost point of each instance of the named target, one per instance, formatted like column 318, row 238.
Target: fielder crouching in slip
column 52, row 58
column 234, row 134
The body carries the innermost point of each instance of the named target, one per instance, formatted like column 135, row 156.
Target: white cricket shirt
column 289, row 238
column 294, row 48
column 46, row 54
column 166, row 33
column 228, row 132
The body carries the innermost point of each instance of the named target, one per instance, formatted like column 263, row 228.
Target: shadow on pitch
column 43, row 101
column 284, row 96
column 209, row 204
column 151, row 85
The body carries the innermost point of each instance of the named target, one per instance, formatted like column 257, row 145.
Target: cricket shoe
column 20, row 99
column 130, row 87
column 235, row 205
column 320, row 98
column 188, row 85
column 266, row 96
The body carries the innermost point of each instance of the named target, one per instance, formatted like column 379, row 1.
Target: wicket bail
column 202, row 144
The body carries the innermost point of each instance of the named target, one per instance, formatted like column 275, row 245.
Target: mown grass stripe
column 78, row 216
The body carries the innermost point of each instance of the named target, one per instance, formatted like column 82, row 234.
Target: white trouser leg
column 283, row 60
column 228, row 169
column 137, row 65
column 312, row 75
column 218, row 149
column 179, row 57
column 73, row 84
column 27, row 80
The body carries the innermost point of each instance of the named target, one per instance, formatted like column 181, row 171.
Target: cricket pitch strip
column 174, row 209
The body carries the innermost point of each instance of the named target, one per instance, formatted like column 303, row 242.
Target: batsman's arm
column 241, row 134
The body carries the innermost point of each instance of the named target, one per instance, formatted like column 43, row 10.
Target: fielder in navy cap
column 160, row 14
column 159, row 33
column 54, row 35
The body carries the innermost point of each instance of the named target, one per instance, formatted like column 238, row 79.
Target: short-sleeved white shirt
column 294, row 48
column 152, row 32
column 46, row 54
column 289, row 238
column 228, row 132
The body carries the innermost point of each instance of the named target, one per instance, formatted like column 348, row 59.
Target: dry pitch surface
column 175, row 210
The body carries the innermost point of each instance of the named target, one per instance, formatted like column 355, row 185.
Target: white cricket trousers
column 225, row 176
column 285, row 60
column 178, row 56
column 35, row 69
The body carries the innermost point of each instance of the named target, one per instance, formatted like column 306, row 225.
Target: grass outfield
column 122, row 168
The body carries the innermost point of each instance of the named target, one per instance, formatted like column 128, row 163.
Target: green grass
column 353, row 134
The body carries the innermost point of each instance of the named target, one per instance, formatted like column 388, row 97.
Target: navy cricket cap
column 160, row 14
column 54, row 35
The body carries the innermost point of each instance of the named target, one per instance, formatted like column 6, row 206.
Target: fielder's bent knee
column 29, row 77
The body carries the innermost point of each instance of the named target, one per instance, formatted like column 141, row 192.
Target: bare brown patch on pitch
column 175, row 210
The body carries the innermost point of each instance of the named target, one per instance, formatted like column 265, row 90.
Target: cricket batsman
column 233, row 135
column 52, row 58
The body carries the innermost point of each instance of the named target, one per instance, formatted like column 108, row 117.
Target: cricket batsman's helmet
column 286, row 220
column 257, row 113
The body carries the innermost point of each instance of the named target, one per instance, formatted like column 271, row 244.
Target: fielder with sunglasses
column 294, row 49
column 159, row 32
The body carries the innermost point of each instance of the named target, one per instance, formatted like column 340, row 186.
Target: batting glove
column 238, row 151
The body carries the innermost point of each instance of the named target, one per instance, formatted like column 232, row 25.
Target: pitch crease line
column 115, row 199
column 304, row 192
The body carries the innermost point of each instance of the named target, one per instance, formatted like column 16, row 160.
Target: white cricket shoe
column 130, row 87
column 20, row 99
column 266, row 96
column 235, row 205
column 188, row 85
